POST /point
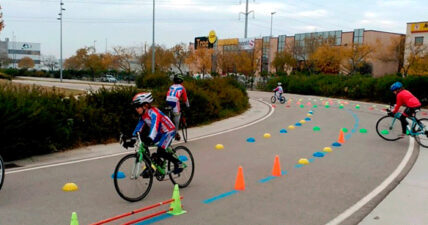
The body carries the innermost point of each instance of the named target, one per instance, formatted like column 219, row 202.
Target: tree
column 124, row 58
column 394, row 52
column 180, row 53
column 4, row 60
column 1, row 20
column 226, row 61
column 303, row 51
column 284, row 61
column 164, row 58
column 413, row 58
column 327, row 59
column 87, row 59
column 356, row 56
column 26, row 63
column 420, row 66
column 50, row 62
column 201, row 60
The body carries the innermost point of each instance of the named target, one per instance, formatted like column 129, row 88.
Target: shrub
column 37, row 121
column 5, row 76
column 351, row 87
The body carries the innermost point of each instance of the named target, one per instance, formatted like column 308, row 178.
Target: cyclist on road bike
column 175, row 93
column 278, row 91
column 404, row 98
column 161, row 128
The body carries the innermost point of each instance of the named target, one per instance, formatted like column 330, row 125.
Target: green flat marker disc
column 345, row 130
column 363, row 131
column 384, row 132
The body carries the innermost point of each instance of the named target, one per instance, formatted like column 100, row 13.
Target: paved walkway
column 407, row 203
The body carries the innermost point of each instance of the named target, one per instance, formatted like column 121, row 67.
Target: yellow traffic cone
column 176, row 204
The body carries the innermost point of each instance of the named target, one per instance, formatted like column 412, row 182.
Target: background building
column 416, row 39
column 266, row 48
column 15, row 51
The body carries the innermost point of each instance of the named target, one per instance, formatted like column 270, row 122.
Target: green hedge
column 358, row 87
column 36, row 121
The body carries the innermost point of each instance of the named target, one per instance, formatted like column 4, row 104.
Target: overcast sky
column 129, row 22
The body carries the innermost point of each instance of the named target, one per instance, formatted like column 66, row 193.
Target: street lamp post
column 271, row 19
column 153, row 37
column 60, row 42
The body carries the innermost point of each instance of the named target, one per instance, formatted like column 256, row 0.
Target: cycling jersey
column 278, row 89
column 175, row 92
column 158, row 122
column 407, row 99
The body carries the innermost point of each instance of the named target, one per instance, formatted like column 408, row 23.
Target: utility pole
column 94, row 45
column 60, row 34
column 153, row 43
column 106, row 46
column 246, row 17
column 271, row 19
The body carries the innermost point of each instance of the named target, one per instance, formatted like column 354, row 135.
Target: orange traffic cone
column 276, row 171
column 240, row 183
column 341, row 139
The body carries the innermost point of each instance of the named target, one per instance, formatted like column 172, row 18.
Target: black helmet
column 178, row 79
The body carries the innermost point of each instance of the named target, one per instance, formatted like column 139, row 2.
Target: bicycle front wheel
column 273, row 99
column 183, row 125
column 282, row 100
column 1, row 172
column 388, row 128
column 422, row 129
column 128, row 178
column 184, row 178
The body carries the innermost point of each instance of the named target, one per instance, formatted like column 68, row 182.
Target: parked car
column 109, row 78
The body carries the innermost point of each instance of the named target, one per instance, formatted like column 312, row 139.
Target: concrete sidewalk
column 407, row 203
column 258, row 111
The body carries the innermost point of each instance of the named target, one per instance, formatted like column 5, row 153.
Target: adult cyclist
column 404, row 98
column 161, row 129
column 176, row 93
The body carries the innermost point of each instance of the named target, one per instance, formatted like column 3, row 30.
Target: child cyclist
column 278, row 91
column 175, row 93
column 161, row 129
column 404, row 98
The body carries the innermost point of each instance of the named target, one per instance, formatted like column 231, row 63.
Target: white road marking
column 347, row 213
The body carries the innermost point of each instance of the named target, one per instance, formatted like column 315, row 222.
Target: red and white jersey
column 175, row 92
column 158, row 122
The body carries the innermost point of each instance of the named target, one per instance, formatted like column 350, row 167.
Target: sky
column 128, row 23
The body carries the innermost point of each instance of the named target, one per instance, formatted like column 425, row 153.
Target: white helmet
column 141, row 98
column 279, row 83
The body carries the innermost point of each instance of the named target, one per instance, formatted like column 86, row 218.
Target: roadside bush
column 5, row 76
column 358, row 87
column 37, row 121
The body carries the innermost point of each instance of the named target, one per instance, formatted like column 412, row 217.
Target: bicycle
column 1, row 172
column 389, row 128
column 182, row 124
column 132, row 185
column 281, row 99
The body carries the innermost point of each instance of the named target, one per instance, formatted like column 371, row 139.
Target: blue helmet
column 395, row 86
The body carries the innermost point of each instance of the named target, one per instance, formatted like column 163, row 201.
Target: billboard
column 230, row 41
column 26, row 46
column 203, row 42
column 419, row 27
column 246, row 43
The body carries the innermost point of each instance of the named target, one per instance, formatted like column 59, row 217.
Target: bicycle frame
column 414, row 123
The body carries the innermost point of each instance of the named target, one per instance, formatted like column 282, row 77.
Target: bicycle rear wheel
column 1, row 172
column 128, row 178
column 388, row 128
column 184, row 178
column 422, row 127
column 273, row 99
column 183, row 126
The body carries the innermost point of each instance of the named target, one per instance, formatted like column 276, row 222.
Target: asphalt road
column 312, row 194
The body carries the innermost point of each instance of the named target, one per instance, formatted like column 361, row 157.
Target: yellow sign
column 212, row 38
column 231, row 41
column 419, row 27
